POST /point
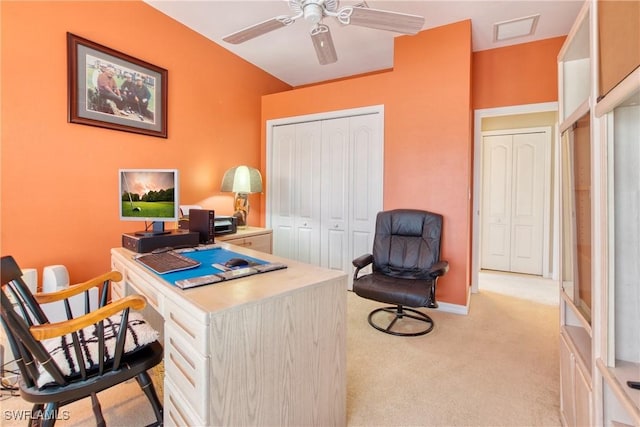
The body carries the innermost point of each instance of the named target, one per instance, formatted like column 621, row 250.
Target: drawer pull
column 183, row 421
column 175, row 346
column 182, row 371
column 182, row 326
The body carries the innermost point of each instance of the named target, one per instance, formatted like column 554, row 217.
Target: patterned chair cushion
column 139, row 334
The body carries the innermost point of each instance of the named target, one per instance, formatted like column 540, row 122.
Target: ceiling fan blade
column 258, row 29
column 381, row 19
column 323, row 43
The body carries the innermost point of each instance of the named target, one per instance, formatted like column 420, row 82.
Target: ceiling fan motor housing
column 312, row 11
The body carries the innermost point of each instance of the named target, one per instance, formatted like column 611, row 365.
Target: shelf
column 581, row 110
column 580, row 341
column 627, row 92
column 574, row 66
column 573, row 315
column 604, row 336
column 616, row 378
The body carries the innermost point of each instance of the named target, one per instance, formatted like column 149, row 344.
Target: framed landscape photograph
column 113, row 90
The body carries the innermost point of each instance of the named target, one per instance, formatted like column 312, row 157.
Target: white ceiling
column 288, row 54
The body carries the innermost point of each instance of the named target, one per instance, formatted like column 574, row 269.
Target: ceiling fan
column 314, row 11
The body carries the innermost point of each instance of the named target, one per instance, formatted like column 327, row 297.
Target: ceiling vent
column 514, row 28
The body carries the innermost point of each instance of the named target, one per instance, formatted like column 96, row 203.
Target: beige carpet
column 498, row 366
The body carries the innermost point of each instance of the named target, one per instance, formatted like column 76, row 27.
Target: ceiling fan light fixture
column 323, row 44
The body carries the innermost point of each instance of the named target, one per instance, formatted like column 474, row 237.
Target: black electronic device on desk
column 225, row 225
column 174, row 239
column 202, row 221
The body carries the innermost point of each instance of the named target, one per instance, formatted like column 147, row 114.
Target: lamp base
column 241, row 210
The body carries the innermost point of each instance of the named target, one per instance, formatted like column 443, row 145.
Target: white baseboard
column 453, row 308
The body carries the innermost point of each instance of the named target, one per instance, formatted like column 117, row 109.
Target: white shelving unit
column 618, row 352
column 575, row 77
column 600, row 222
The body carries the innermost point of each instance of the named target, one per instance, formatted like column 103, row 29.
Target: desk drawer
column 117, row 291
column 117, row 288
column 177, row 411
column 142, row 287
column 187, row 327
column 261, row 242
column 187, row 370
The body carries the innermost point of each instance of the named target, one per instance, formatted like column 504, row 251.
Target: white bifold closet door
column 326, row 189
column 295, row 191
column 512, row 209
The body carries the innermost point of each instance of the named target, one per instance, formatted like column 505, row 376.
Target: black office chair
column 67, row 361
column 405, row 268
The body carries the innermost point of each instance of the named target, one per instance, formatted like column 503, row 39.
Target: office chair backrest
column 406, row 243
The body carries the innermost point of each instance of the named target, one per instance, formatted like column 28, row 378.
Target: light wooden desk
column 256, row 238
column 268, row 349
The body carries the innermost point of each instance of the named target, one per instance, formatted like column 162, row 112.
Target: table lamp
column 242, row 180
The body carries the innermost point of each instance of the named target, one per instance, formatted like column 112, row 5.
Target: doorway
column 514, row 197
column 518, row 117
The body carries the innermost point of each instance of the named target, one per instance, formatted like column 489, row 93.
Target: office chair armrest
column 362, row 261
column 45, row 298
column 439, row 269
column 58, row 329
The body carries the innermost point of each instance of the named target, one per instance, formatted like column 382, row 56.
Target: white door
column 325, row 179
column 367, row 180
column 295, row 191
column 496, row 202
column 512, row 202
column 281, row 190
column 352, row 169
column 335, row 193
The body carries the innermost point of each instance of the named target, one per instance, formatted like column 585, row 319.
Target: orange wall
column 429, row 96
column 59, row 180
column 427, row 99
column 522, row 74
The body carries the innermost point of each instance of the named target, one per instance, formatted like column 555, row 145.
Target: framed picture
column 113, row 90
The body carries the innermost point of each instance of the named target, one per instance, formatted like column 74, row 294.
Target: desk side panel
column 282, row 361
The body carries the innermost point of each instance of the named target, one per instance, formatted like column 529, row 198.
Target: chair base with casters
column 400, row 313
column 406, row 295
column 73, row 359
column 405, row 267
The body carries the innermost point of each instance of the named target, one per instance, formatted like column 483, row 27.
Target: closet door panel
column 335, row 193
column 306, row 185
column 527, row 207
column 496, row 202
column 282, row 190
column 333, row 170
column 367, row 166
column 334, row 257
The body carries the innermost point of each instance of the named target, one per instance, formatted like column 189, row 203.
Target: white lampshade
column 242, row 179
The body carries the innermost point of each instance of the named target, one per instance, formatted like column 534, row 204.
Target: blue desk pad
column 208, row 258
